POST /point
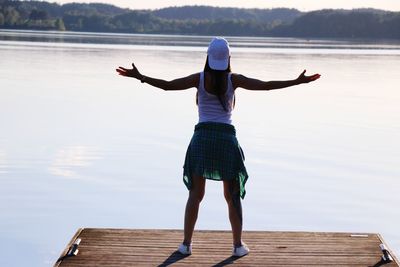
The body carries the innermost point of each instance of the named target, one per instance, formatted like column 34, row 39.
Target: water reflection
column 3, row 162
column 71, row 161
column 191, row 41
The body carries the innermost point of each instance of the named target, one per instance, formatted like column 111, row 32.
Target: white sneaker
column 240, row 251
column 185, row 249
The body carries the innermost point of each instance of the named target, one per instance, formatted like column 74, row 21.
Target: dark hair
column 217, row 79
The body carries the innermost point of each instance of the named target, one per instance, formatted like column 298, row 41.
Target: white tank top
column 210, row 108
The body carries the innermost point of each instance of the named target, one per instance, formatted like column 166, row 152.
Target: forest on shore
column 201, row 20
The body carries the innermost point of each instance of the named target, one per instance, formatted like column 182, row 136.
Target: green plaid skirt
column 214, row 153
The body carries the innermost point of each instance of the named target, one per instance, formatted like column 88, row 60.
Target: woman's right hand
column 306, row 79
column 134, row 72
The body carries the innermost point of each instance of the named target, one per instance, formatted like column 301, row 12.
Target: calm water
column 83, row 147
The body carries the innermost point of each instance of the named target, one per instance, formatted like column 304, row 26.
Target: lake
column 81, row 146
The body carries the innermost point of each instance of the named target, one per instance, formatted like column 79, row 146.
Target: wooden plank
column 125, row 247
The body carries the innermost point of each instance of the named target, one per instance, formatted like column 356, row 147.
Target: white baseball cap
column 218, row 54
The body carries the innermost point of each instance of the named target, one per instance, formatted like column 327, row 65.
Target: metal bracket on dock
column 73, row 250
column 386, row 254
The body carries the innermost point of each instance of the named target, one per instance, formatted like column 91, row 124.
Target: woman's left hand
column 134, row 72
column 306, row 79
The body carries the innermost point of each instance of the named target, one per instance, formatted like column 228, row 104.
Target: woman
column 214, row 152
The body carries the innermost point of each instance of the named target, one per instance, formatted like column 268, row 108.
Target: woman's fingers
column 126, row 72
column 314, row 77
column 123, row 71
column 306, row 79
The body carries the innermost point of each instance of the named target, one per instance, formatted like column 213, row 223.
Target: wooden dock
column 124, row 247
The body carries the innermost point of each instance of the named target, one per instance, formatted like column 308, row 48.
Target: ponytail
column 217, row 80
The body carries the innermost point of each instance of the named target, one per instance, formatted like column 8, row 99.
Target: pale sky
column 303, row 5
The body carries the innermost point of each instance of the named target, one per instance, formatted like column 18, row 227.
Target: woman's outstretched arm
column 242, row 81
column 177, row 84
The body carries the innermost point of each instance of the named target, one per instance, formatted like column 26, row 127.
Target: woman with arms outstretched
column 214, row 152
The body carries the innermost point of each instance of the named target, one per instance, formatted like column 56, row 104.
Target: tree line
column 201, row 20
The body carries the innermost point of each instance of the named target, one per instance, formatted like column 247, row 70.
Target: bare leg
column 232, row 197
column 196, row 194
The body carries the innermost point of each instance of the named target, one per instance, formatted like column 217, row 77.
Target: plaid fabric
column 214, row 153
